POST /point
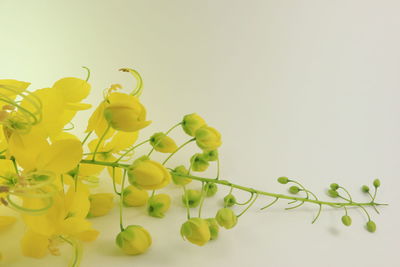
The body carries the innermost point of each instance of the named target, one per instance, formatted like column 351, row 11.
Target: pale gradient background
column 307, row 89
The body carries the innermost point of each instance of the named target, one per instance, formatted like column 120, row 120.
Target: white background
column 306, row 89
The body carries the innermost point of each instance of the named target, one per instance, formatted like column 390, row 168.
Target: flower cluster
column 47, row 174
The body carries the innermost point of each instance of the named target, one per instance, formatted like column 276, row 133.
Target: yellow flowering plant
column 47, row 174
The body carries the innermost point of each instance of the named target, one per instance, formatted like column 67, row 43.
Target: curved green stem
column 248, row 207
column 129, row 150
column 166, row 133
column 101, row 140
column 270, row 204
column 179, row 148
column 86, row 137
column 88, row 72
column 139, row 81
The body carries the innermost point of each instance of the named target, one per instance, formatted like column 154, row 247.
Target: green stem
column 129, row 150
column 270, row 204
column 121, row 200
column 347, row 192
column 88, row 73
column 203, row 194
column 248, row 207
column 218, row 168
column 179, row 148
column 187, row 202
column 86, row 137
column 101, row 140
column 113, row 180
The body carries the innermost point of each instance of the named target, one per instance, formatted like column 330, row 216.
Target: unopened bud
column 229, row 200
column 365, row 188
column 294, row 189
column 377, row 183
column 283, row 180
column 334, row 186
column 211, row 189
column 371, row 226
column 346, row 220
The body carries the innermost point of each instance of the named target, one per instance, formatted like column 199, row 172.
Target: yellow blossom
column 196, row 231
column 100, row 204
column 135, row 197
column 134, row 240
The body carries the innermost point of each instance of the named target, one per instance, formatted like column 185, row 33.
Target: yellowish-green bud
column 333, row 193
column 371, row 226
column 191, row 123
column 191, row 198
column 229, row 200
column 210, row 189
column 100, row 204
column 211, row 155
column 346, row 220
column 134, row 240
column 214, row 228
column 283, row 180
column 196, row 231
column 334, row 186
column 180, row 180
column 226, row 218
column 199, row 163
column 158, row 205
column 148, row 174
column 365, row 188
column 208, row 138
column 163, row 143
column 294, row 189
column 134, row 197
column 377, row 183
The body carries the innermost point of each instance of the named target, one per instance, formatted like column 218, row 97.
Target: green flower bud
column 134, row 240
column 334, row 186
column 211, row 155
column 180, row 180
column 134, row 197
column 158, row 205
column 294, row 189
column 229, row 200
column 214, row 228
column 211, row 189
column 191, row 198
column 163, row 143
column 283, row 180
column 371, row 226
column 191, row 123
column 226, row 218
column 365, row 188
column 196, row 231
column 346, row 220
column 377, row 183
column 333, row 193
column 208, row 138
column 199, row 163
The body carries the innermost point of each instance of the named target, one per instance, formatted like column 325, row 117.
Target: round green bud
column 294, row 189
column 163, row 143
column 226, row 218
column 371, row 226
column 178, row 179
column 346, row 220
column 211, row 155
column 229, row 200
column 158, row 205
column 283, row 180
column 377, row 183
column 199, row 163
column 365, row 188
column 214, row 228
column 333, row 193
column 134, row 240
column 334, row 186
column 211, row 189
column 191, row 198
column 191, row 123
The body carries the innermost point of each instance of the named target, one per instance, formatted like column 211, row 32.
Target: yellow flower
column 6, row 221
column 135, row 197
column 196, row 231
column 134, row 240
column 158, row 205
column 226, row 218
column 148, row 174
column 66, row 217
column 214, row 228
column 180, row 180
column 163, row 143
column 208, row 138
column 100, row 204
column 191, row 123
column 125, row 113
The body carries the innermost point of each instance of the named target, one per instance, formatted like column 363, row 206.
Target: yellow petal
column 78, row 106
column 74, row 226
column 77, row 202
column 88, row 235
column 34, row 245
column 26, row 147
column 10, row 88
column 72, row 89
column 122, row 140
column 61, row 156
column 6, row 221
column 98, row 123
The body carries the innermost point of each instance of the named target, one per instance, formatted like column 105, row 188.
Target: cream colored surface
column 307, row 89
